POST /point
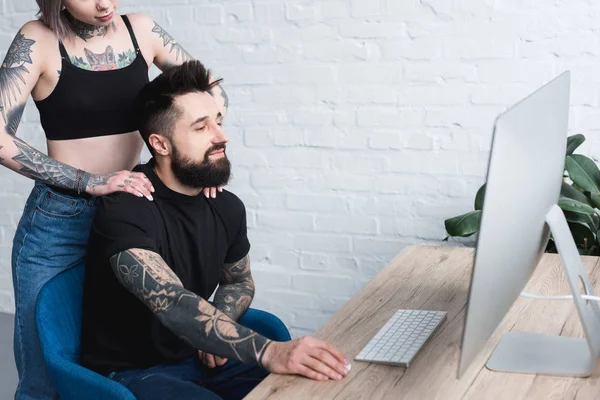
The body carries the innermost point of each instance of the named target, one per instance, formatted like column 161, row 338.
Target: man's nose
column 221, row 136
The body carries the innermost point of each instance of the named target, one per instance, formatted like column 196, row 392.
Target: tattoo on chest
column 13, row 71
column 103, row 61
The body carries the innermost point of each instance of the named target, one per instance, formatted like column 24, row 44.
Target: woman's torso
column 107, row 152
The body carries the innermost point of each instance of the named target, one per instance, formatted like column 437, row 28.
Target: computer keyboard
column 401, row 338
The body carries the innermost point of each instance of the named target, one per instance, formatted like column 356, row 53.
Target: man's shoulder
column 230, row 200
column 124, row 199
column 123, row 205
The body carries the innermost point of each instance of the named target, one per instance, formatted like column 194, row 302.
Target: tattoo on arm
column 180, row 53
column 168, row 40
column 14, row 118
column 146, row 275
column 225, row 97
column 236, row 289
column 12, row 72
column 1, row 159
column 38, row 166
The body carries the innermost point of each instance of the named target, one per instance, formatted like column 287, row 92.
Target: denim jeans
column 51, row 237
column 190, row 379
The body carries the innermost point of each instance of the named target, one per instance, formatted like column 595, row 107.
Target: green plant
column 579, row 200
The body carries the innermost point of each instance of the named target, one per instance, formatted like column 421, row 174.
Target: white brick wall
column 356, row 126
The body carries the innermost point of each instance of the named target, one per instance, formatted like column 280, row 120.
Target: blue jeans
column 51, row 237
column 190, row 379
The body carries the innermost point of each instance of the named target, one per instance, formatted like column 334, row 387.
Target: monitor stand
column 532, row 353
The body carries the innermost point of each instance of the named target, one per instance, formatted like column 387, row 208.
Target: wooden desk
column 438, row 278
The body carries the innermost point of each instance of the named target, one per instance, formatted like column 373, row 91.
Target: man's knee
column 165, row 387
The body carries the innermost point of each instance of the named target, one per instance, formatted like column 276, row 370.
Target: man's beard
column 204, row 174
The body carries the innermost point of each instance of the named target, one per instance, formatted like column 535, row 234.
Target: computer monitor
column 520, row 210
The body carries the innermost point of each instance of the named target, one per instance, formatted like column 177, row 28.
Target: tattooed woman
column 83, row 64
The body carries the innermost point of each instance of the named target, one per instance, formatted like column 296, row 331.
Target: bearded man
column 152, row 266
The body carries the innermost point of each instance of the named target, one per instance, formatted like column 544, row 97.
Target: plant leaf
column 575, row 206
column 573, row 142
column 579, row 218
column 595, row 200
column 571, row 192
column 464, row 225
column 479, row 198
column 583, row 172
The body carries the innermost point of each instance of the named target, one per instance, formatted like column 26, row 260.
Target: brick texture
column 357, row 126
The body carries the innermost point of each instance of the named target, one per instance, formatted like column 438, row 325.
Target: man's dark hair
column 155, row 107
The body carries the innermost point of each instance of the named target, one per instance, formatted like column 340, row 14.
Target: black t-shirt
column 193, row 234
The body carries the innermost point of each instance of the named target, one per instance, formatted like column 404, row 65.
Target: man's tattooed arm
column 145, row 274
column 236, row 289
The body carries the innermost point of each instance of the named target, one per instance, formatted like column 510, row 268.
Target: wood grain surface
column 437, row 278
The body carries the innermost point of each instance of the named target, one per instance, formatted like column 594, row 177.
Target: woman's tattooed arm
column 19, row 72
column 145, row 274
column 171, row 53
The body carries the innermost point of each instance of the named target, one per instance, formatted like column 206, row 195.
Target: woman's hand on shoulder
column 212, row 191
column 135, row 183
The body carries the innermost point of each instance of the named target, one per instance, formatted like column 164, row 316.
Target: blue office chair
column 59, row 325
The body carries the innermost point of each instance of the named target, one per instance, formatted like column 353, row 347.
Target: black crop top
column 93, row 103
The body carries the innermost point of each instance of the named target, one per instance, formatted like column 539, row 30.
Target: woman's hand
column 211, row 361
column 212, row 192
column 123, row 181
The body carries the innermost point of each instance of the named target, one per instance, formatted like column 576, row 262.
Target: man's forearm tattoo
column 13, row 71
column 146, row 275
column 38, row 166
column 236, row 289
column 168, row 40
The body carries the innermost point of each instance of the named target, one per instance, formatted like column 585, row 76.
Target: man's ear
column 160, row 144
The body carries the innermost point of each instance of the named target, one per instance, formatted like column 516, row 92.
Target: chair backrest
column 59, row 313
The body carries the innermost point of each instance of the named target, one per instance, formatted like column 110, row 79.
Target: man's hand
column 307, row 356
column 211, row 361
